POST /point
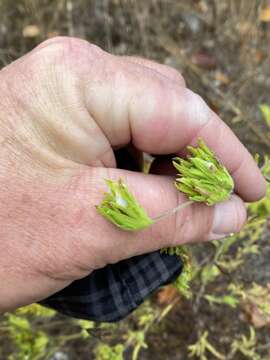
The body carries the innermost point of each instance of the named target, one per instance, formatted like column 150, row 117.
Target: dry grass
column 220, row 46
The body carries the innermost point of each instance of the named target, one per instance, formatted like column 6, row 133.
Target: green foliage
column 202, row 347
column 209, row 273
column 86, row 327
column 36, row 310
column 182, row 283
column 262, row 208
column 201, row 176
column 30, row 344
column 147, row 316
column 106, row 352
column 246, row 346
column 122, row 209
column 223, row 300
column 138, row 340
column 265, row 110
column 256, row 294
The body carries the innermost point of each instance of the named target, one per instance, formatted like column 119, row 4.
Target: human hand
column 64, row 107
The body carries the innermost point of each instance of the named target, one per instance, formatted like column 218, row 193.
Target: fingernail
column 229, row 217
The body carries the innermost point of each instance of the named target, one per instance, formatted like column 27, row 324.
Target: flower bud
column 121, row 208
column 201, row 176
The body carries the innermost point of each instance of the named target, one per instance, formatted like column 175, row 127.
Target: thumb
column 108, row 244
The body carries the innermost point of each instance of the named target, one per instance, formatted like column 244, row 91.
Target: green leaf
column 36, row 310
column 182, row 283
column 265, row 110
column 121, row 208
column 209, row 273
column 18, row 322
column 226, row 299
column 107, row 352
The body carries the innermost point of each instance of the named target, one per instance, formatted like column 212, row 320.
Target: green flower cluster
column 201, row 176
column 121, row 208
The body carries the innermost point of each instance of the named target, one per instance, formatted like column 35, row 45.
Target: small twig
column 172, row 211
column 264, row 346
column 159, row 316
column 167, row 309
column 69, row 9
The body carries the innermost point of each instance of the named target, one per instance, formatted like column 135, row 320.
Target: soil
column 221, row 47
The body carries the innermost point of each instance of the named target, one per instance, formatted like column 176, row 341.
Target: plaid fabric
column 111, row 293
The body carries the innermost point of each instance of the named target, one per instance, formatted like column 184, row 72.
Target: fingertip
column 259, row 192
column 250, row 182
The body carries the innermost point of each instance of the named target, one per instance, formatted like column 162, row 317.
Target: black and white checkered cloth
column 111, row 293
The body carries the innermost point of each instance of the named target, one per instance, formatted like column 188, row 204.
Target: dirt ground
column 222, row 49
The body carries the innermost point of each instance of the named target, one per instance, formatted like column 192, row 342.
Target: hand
column 64, row 107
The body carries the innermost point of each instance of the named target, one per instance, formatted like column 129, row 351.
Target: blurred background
column 222, row 49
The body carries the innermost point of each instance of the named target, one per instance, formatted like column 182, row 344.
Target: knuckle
column 65, row 43
column 51, row 41
column 50, row 50
column 163, row 69
column 175, row 75
column 196, row 107
column 66, row 51
column 194, row 98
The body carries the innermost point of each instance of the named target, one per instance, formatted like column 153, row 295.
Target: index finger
column 178, row 117
column 160, row 116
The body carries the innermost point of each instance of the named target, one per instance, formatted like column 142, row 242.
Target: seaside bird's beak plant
column 121, row 208
column 201, row 177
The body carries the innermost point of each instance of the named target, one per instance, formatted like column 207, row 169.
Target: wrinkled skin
column 64, row 107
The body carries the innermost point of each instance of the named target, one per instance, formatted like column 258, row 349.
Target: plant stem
column 172, row 211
